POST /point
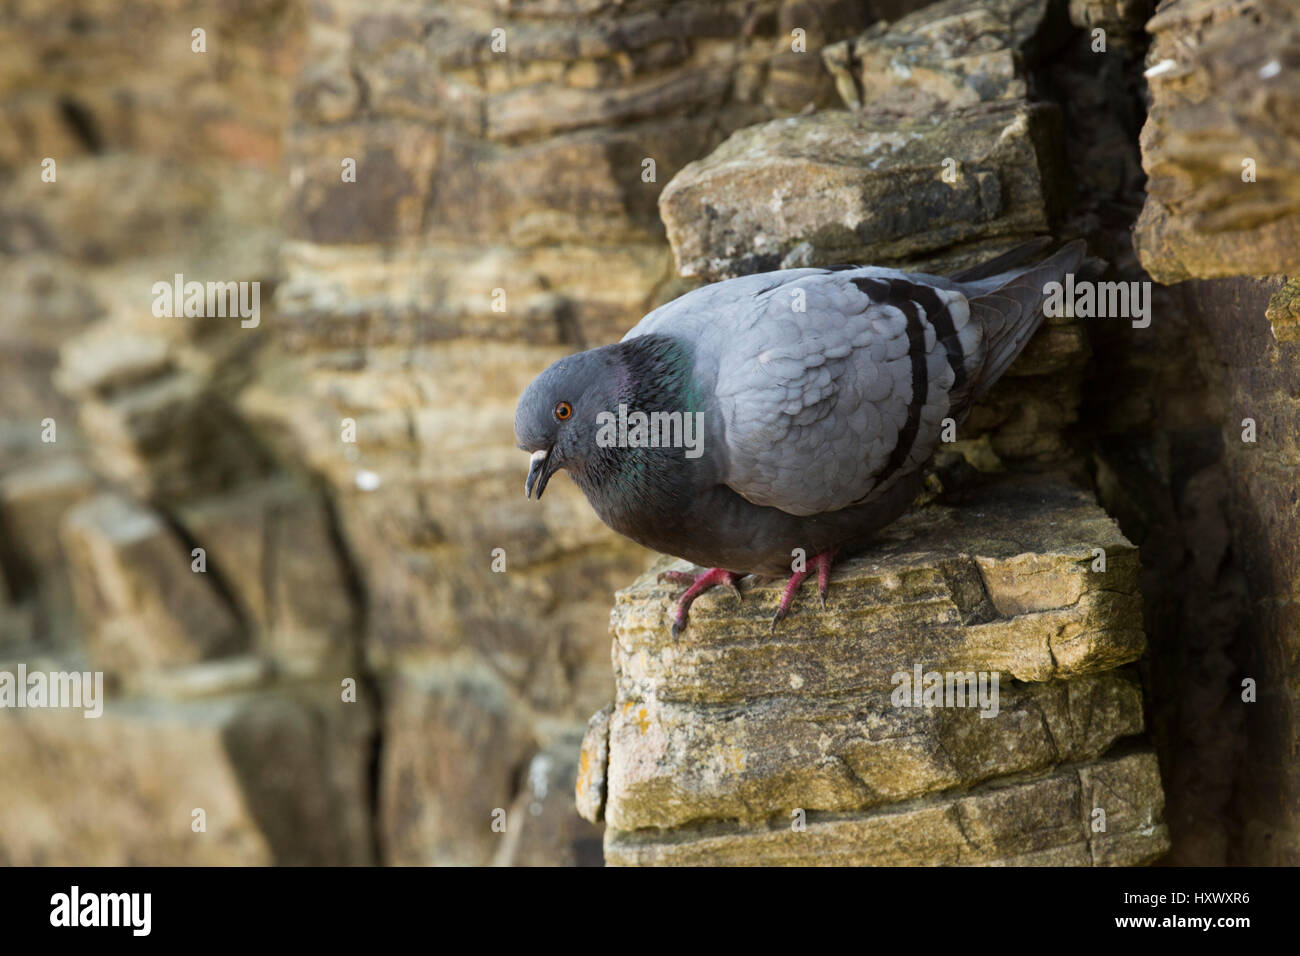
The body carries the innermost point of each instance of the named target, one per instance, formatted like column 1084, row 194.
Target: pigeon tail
column 1009, row 304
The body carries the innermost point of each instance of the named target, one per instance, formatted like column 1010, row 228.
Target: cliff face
column 296, row 544
column 1220, row 144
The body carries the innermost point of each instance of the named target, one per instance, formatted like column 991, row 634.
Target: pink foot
column 698, row 584
column 822, row 563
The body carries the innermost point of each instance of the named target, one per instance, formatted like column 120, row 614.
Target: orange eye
column 564, row 411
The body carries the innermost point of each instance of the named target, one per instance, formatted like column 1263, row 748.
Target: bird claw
column 698, row 585
column 822, row 563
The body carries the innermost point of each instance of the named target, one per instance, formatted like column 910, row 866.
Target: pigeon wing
column 830, row 385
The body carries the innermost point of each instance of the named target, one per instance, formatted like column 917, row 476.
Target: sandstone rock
column 43, row 300
column 206, row 679
column 1039, row 821
column 609, row 67
column 453, row 743
column 281, row 778
column 1220, row 145
column 865, row 188
column 305, row 767
column 113, row 80
column 167, row 162
column 33, row 501
column 359, row 297
column 729, row 724
column 46, row 300
column 1283, row 312
column 543, row 144
column 1119, row 18
column 327, row 92
column 386, row 200
column 109, row 359
column 1253, row 373
column 544, row 828
column 673, row 764
column 170, row 438
column 589, row 785
column 271, row 544
column 577, row 187
column 124, row 206
column 17, row 628
column 1027, row 413
column 141, row 605
column 944, row 56
column 425, row 542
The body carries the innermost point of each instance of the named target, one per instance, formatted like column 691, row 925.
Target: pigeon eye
column 563, row 411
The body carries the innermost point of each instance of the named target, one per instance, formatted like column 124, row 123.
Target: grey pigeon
column 821, row 393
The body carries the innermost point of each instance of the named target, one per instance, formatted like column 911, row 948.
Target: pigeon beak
column 538, row 474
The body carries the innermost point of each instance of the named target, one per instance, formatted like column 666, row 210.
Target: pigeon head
column 556, row 415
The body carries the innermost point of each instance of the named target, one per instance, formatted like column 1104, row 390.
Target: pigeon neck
column 654, row 372
column 635, row 470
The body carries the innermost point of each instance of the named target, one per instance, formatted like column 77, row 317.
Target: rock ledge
column 733, row 746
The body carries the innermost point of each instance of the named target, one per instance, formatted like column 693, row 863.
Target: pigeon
column 769, row 423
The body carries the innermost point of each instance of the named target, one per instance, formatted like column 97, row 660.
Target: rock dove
column 791, row 413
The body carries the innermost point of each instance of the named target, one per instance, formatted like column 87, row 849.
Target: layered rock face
column 946, row 161
column 148, row 534
column 294, row 543
column 946, row 55
column 838, row 187
column 1221, row 144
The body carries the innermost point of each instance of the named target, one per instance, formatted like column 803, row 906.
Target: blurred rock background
column 509, row 206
